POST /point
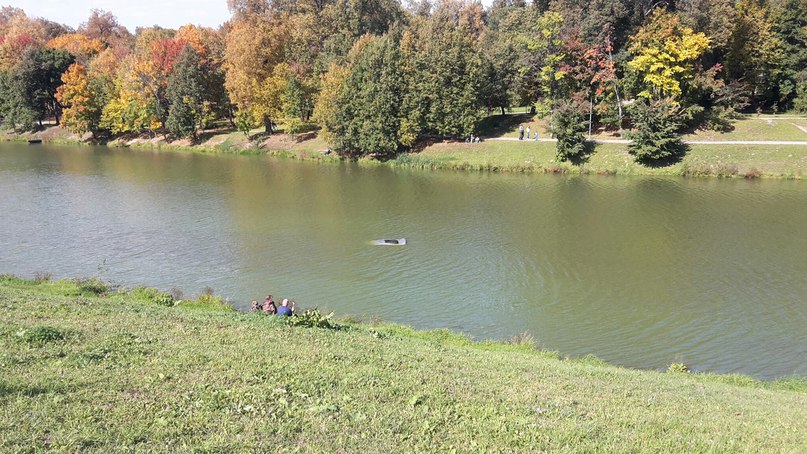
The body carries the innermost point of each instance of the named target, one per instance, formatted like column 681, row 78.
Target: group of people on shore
column 521, row 133
column 269, row 307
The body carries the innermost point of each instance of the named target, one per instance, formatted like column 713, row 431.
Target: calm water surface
column 637, row 271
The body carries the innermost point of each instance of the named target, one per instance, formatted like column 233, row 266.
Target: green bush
column 569, row 127
column 656, row 137
column 312, row 318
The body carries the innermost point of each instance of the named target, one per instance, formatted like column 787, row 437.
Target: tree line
column 377, row 78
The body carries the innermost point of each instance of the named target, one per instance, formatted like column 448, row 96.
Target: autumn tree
column 82, row 110
column 256, row 73
column 80, row 46
column 130, row 109
column 664, row 54
column 327, row 107
column 18, row 34
column 104, row 26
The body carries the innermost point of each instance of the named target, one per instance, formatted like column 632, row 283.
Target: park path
column 800, row 127
column 690, row 142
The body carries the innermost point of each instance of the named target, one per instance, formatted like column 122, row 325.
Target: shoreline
column 496, row 155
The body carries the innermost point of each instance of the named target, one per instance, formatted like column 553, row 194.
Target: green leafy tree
column 186, row 94
column 369, row 115
column 756, row 55
column 444, row 71
column 15, row 106
column 789, row 24
column 29, row 88
column 296, row 104
column 656, row 137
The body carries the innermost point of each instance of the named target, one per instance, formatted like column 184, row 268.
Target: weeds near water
column 678, row 368
column 524, row 338
column 726, row 170
column 92, row 285
column 753, row 173
column 556, row 169
column 42, row 276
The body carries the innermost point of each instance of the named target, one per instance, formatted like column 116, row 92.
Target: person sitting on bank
column 284, row 310
column 269, row 307
column 256, row 306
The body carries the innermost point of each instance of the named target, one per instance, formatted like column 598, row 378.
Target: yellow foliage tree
column 665, row 53
column 131, row 108
column 326, row 106
column 256, row 75
column 81, row 111
column 82, row 47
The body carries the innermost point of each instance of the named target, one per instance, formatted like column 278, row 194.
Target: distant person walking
column 520, row 132
column 528, row 133
column 536, row 136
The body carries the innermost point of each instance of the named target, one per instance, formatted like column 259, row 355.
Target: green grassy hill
column 84, row 369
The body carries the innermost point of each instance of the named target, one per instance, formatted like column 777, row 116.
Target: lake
column 639, row 271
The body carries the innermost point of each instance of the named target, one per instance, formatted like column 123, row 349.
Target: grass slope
column 83, row 373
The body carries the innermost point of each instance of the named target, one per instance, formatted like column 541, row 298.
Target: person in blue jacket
column 284, row 310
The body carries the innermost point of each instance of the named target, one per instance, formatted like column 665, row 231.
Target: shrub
column 656, row 135
column 312, row 318
column 569, row 127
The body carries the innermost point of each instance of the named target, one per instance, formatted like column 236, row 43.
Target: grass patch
column 40, row 335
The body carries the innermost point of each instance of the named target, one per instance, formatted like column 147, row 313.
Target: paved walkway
column 690, row 142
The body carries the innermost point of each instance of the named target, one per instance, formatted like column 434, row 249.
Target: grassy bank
column 91, row 370
column 703, row 159
column 751, row 161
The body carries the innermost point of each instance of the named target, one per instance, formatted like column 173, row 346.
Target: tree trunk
column 267, row 124
column 502, row 107
column 616, row 92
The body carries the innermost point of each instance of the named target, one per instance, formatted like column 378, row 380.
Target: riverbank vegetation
column 377, row 79
column 89, row 368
